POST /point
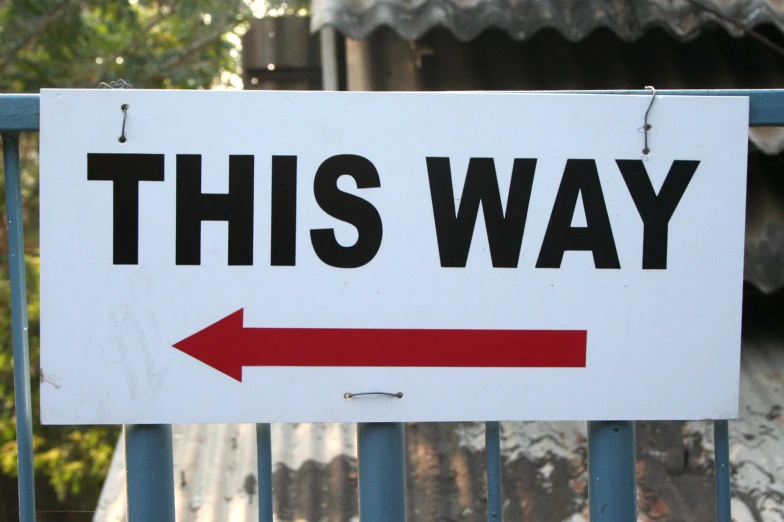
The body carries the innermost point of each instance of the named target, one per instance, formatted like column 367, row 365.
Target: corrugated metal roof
column 544, row 465
column 769, row 140
column 575, row 19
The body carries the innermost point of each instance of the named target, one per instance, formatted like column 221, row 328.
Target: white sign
column 273, row 256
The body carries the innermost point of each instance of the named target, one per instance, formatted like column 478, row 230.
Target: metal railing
column 149, row 465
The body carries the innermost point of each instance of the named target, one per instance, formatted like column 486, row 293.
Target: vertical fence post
column 16, row 261
column 329, row 59
column 149, row 472
column 382, row 472
column 264, row 470
column 721, row 442
column 612, row 489
column 493, row 457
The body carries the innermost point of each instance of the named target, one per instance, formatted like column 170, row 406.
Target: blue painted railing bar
column 721, row 442
column 264, row 471
column 765, row 105
column 493, row 457
column 382, row 472
column 149, row 472
column 19, row 112
column 16, row 260
column 612, row 471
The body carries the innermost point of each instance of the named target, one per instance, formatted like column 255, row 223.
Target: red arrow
column 227, row 346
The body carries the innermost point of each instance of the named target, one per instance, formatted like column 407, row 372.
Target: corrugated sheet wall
column 544, row 466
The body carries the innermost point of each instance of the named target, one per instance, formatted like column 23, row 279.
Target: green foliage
column 80, row 43
column 150, row 44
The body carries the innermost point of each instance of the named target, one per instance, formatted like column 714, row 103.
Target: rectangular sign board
column 277, row 256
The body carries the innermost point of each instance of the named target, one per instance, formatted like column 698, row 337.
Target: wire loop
column 116, row 84
column 647, row 126
column 124, row 107
column 347, row 395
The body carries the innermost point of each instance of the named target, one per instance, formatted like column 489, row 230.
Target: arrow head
column 218, row 345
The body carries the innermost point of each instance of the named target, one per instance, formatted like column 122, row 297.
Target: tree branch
column 189, row 51
column 133, row 42
column 43, row 22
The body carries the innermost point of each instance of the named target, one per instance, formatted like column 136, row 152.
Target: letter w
column 454, row 230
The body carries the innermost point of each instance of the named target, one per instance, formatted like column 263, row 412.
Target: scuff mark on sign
column 52, row 379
